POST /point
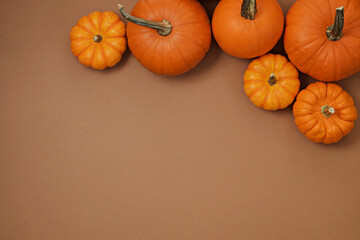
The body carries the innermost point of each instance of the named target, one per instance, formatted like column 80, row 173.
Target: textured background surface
column 126, row 154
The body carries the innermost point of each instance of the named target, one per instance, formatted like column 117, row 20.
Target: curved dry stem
column 164, row 28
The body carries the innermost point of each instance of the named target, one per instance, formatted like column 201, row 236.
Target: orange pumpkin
column 322, row 38
column 247, row 28
column 168, row 37
column 98, row 40
column 271, row 82
column 324, row 112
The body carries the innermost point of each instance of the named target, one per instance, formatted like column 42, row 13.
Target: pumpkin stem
column 248, row 9
column 164, row 28
column 272, row 79
column 327, row 111
column 97, row 38
column 334, row 32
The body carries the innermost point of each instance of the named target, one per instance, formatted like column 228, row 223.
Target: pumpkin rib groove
column 306, row 132
column 161, row 58
column 277, row 97
column 91, row 22
column 325, row 130
column 175, row 8
column 331, row 103
column 347, row 50
column 314, row 59
column 260, row 88
column 317, row 98
column 308, row 44
column 265, row 99
column 264, row 66
column 85, row 49
column 101, row 21
column 152, row 10
column 285, row 89
column 110, row 45
column 197, row 44
column 282, row 69
column 340, row 115
column 181, row 55
column 342, row 132
column 109, row 28
column 307, row 113
column 85, row 29
column 334, row 59
column 154, row 45
column 103, row 54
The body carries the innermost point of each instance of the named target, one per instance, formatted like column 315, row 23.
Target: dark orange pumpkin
column 247, row 28
column 168, row 37
column 324, row 112
column 322, row 38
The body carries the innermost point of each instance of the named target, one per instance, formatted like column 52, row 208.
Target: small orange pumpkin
column 98, row 40
column 247, row 28
column 322, row 38
column 271, row 82
column 168, row 37
column 324, row 112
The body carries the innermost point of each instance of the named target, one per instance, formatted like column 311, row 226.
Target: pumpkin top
column 321, row 37
column 98, row 40
column 168, row 37
column 324, row 112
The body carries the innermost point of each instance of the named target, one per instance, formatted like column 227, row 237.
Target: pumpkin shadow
column 209, row 6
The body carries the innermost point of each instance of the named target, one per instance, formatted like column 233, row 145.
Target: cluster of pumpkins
column 170, row 37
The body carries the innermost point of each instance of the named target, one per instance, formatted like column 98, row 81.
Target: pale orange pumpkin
column 324, row 112
column 271, row 82
column 98, row 40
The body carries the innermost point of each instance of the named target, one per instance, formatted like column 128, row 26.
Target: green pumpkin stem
column 164, row 28
column 248, row 9
column 334, row 32
column 327, row 111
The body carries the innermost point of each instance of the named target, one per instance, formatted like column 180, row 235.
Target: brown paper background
column 127, row 154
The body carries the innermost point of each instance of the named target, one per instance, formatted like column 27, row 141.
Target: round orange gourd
column 247, row 28
column 322, row 38
column 324, row 112
column 271, row 82
column 98, row 40
column 168, row 37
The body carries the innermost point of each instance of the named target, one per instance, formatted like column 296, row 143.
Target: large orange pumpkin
column 322, row 38
column 247, row 28
column 324, row 112
column 168, row 37
column 271, row 82
column 98, row 40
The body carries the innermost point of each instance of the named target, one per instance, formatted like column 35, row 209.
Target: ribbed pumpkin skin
column 183, row 48
column 316, row 126
column 308, row 47
column 243, row 38
column 276, row 96
column 107, row 52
